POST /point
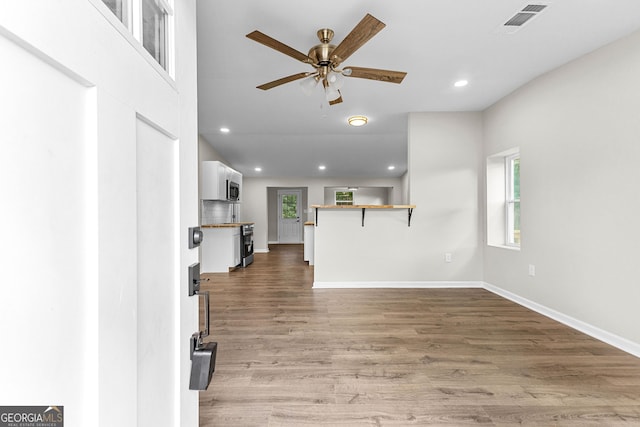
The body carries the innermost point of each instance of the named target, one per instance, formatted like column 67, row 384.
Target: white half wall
column 578, row 129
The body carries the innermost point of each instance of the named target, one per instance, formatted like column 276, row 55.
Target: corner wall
column 578, row 129
column 445, row 155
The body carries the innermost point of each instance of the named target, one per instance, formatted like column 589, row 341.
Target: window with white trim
column 512, row 199
column 503, row 199
column 150, row 23
column 120, row 9
column 154, row 30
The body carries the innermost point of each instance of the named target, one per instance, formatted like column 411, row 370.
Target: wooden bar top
column 226, row 225
column 363, row 206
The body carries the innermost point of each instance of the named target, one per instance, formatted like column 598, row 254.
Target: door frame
column 298, row 193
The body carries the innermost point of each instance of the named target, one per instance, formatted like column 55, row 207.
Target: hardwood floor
column 289, row 355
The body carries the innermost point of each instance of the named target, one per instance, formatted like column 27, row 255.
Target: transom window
column 149, row 22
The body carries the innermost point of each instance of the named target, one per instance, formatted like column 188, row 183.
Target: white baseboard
column 397, row 285
column 260, row 251
column 593, row 331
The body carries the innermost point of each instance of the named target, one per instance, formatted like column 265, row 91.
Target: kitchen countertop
column 226, row 225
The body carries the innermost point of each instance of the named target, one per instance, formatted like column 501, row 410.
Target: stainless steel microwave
column 233, row 191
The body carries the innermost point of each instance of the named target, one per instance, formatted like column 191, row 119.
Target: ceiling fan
column 326, row 58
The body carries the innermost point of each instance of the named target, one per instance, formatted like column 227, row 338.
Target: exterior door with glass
column 289, row 224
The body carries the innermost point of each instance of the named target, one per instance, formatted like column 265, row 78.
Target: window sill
column 511, row 248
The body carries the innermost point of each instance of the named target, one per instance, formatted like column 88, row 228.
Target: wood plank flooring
column 289, row 355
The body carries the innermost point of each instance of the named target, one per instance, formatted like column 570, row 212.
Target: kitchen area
column 227, row 240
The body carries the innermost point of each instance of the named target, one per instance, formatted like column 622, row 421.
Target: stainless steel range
column 246, row 244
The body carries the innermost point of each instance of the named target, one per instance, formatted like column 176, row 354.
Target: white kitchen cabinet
column 215, row 175
column 220, row 249
column 309, row 233
column 214, row 180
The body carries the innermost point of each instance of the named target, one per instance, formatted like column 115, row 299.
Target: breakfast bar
column 361, row 245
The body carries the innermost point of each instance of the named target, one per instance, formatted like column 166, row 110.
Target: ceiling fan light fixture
column 331, row 93
column 357, row 120
column 335, row 80
column 308, row 84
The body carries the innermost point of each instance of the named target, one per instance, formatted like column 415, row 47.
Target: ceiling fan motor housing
column 321, row 53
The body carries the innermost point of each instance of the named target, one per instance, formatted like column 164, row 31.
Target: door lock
column 196, row 236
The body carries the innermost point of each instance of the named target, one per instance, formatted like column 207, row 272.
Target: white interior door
column 157, row 281
column 48, row 247
column 289, row 224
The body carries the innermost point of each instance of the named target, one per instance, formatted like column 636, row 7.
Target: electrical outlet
column 532, row 270
column 447, row 257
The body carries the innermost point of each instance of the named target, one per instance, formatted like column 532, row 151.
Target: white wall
column 120, row 86
column 255, row 202
column 444, row 169
column 578, row 129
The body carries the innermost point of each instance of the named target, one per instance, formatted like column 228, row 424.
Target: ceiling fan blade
column 337, row 100
column 361, row 33
column 279, row 46
column 376, row 74
column 283, row 80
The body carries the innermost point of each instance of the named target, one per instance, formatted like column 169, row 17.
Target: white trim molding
column 593, row 331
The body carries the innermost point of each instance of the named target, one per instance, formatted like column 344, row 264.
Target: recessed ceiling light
column 461, row 83
column 322, row 167
column 357, row 120
column 391, row 167
column 258, row 169
column 224, row 130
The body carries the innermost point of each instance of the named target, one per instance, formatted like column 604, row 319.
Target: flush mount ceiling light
column 357, row 120
column 391, row 167
column 258, row 169
column 322, row 167
column 461, row 83
column 224, row 130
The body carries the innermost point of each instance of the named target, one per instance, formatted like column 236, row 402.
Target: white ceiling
column 435, row 41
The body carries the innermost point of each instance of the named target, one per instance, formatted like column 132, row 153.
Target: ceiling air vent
column 534, row 8
column 525, row 15
column 519, row 19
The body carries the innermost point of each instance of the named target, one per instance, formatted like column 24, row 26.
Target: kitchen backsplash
column 218, row 212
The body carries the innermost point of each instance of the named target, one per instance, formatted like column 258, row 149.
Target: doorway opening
column 287, row 212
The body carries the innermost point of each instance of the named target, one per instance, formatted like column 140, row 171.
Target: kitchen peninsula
column 360, row 245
